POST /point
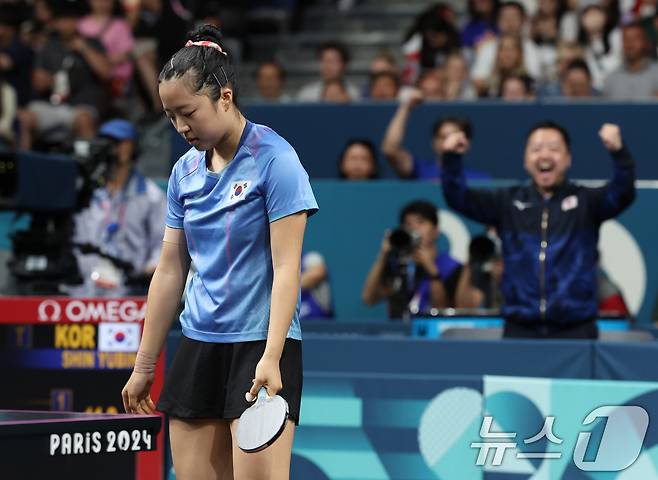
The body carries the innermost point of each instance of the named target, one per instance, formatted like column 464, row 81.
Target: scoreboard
column 63, row 354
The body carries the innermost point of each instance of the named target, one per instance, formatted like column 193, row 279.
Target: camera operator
column 122, row 228
column 479, row 280
column 409, row 271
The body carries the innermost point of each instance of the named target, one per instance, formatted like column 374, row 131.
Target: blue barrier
column 377, row 407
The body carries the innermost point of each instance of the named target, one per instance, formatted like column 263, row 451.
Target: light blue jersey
column 226, row 217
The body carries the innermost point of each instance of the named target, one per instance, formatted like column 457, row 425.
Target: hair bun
column 207, row 33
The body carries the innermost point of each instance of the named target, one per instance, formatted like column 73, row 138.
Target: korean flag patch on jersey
column 239, row 190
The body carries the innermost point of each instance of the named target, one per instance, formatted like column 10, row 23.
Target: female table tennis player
column 237, row 208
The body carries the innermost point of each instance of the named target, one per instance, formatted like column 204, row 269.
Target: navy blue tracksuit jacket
column 549, row 245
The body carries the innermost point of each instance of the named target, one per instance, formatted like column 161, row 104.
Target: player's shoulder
column 187, row 164
column 266, row 145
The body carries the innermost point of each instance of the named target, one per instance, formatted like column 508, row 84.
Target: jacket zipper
column 542, row 263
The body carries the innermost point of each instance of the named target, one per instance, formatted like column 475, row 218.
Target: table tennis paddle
column 262, row 423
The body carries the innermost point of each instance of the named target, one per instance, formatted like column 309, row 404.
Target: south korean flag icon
column 239, row 190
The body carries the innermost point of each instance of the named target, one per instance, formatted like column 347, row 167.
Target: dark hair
column 68, row 9
column 369, row 146
column 475, row 16
column 425, row 209
column 205, row 67
column 609, row 27
column 551, row 125
column 387, row 74
column 438, row 10
column 526, row 80
column 336, row 81
column 339, row 47
column 518, row 5
column 463, row 124
column 275, row 64
column 637, row 24
column 579, row 64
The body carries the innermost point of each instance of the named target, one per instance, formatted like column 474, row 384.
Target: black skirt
column 209, row 380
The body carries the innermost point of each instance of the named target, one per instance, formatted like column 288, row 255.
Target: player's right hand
column 136, row 394
column 456, row 142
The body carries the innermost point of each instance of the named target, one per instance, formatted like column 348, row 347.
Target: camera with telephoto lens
column 403, row 242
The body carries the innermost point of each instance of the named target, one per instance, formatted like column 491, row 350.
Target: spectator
column 544, row 31
column 509, row 63
column 333, row 58
column 105, row 24
column 39, row 26
column 384, row 62
column 480, row 279
column 270, row 78
column 408, row 165
column 481, row 23
column 409, row 271
column 577, row 81
column 316, row 299
column 511, row 21
column 125, row 220
column 517, row 88
column 8, row 105
column 15, row 56
column 430, row 83
column 335, row 91
column 144, row 16
column 637, row 78
column 549, row 230
column 384, row 86
column 358, row 161
column 566, row 53
column 602, row 43
column 431, row 38
column 545, row 23
column 70, row 76
column 457, row 84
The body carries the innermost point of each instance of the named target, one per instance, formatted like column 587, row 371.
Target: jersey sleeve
column 175, row 211
column 287, row 186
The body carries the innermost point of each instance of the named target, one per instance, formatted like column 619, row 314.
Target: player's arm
column 286, row 238
column 400, row 159
column 481, row 205
column 619, row 193
column 163, row 302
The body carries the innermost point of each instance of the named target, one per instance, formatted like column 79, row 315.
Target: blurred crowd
column 67, row 65
column 512, row 50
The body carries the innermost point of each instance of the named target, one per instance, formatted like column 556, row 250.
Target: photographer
column 124, row 222
column 409, row 271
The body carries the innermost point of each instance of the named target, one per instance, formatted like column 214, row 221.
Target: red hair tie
column 205, row 43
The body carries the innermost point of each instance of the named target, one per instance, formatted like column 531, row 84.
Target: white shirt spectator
column 603, row 64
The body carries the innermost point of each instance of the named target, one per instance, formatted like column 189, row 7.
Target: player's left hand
column 611, row 137
column 267, row 375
